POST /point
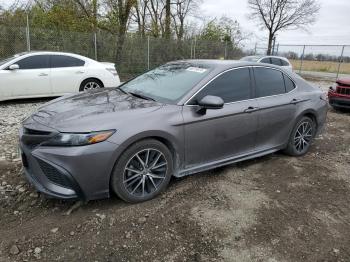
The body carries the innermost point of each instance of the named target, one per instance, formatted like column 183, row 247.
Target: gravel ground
column 274, row 208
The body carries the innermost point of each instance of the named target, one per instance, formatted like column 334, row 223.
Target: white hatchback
column 44, row 74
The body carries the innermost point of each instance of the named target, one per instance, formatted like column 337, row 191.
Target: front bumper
column 339, row 100
column 69, row 172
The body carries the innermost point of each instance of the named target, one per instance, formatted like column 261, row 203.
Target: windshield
column 4, row 61
column 167, row 83
column 250, row 58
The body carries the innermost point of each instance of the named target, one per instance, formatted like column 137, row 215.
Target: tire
column 135, row 182
column 301, row 137
column 89, row 84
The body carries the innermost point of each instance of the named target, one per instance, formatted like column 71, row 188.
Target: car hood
column 91, row 111
column 344, row 81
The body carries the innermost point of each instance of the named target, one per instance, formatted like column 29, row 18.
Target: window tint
column 284, row 63
column 34, row 62
column 288, row 83
column 268, row 82
column 65, row 61
column 231, row 86
column 276, row 61
column 266, row 60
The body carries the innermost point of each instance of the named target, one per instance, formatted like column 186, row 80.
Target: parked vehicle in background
column 339, row 94
column 273, row 60
column 44, row 74
column 181, row 118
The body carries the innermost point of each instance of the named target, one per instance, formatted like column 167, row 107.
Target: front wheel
column 143, row 171
column 301, row 137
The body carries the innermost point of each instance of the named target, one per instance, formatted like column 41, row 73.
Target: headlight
column 66, row 139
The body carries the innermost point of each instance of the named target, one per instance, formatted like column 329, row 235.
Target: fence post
column 194, row 48
column 28, row 33
column 278, row 47
column 225, row 54
column 147, row 52
column 95, row 44
column 191, row 48
column 256, row 45
column 340, row 60
column 302, row 60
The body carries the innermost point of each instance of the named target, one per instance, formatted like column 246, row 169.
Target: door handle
column 251, row 109
column 295, row 101
column 80, row 72
column 43, row 74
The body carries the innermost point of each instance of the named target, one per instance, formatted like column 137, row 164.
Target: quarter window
column 266, row 60
column 284, row 63
column 276, row 61
column 34, row 62
column 268, row 82
column 288, row 83
column 231, row 86
column 65, row 61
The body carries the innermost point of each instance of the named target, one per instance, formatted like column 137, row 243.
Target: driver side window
column 231, row 86
column 34, row 62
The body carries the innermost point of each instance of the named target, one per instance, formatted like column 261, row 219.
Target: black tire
column 129, row 172
column 298, row 143
column 95, row 84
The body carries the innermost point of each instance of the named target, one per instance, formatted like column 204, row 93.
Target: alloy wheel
column 145, row 172
column 303, row 136
column 91, row 85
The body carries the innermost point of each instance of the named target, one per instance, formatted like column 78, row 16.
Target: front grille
column 343, row 90
column 54, row 175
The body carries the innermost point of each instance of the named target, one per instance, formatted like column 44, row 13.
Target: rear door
column 277, row 104
column 31, row 79
column 225, row 132
column 67, row 73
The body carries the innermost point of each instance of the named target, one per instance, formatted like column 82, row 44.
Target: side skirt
column 224, row 162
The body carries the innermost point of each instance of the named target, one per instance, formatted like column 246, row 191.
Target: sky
column 331, row 28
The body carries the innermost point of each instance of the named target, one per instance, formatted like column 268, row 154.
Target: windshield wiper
column 141, row 96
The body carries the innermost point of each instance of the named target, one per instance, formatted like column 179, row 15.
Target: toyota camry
column 181, row 118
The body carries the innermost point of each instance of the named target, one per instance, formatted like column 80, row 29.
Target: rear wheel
column 90, row 84
column 143, row 171
column 301, row 137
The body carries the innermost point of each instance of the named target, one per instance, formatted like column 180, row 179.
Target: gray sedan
column 181, row 118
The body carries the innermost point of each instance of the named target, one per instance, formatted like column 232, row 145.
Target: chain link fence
column 140, row 54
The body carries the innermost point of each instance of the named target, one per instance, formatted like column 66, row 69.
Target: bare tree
column 140, row 15
column 182, row 8
column 279, row 15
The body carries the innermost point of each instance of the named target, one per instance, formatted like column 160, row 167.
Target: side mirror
column 210, row 102
column 14, row 67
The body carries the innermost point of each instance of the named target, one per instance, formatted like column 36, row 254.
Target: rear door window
column 269, row 82
column 34, row 62
column 65, row 61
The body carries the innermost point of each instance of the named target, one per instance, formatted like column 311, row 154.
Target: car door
column 32, row 78
column 226, row 132
column 67, row 73
column 277, row 107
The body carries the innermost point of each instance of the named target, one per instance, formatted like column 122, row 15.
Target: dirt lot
column 275, row 208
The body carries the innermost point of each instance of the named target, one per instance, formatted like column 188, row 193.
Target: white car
column 274, row 60
column 44, row 74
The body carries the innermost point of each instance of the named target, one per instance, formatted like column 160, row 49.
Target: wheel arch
column 167, row 139
column 90, row 78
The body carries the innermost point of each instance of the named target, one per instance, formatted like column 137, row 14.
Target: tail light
column 113, row 71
